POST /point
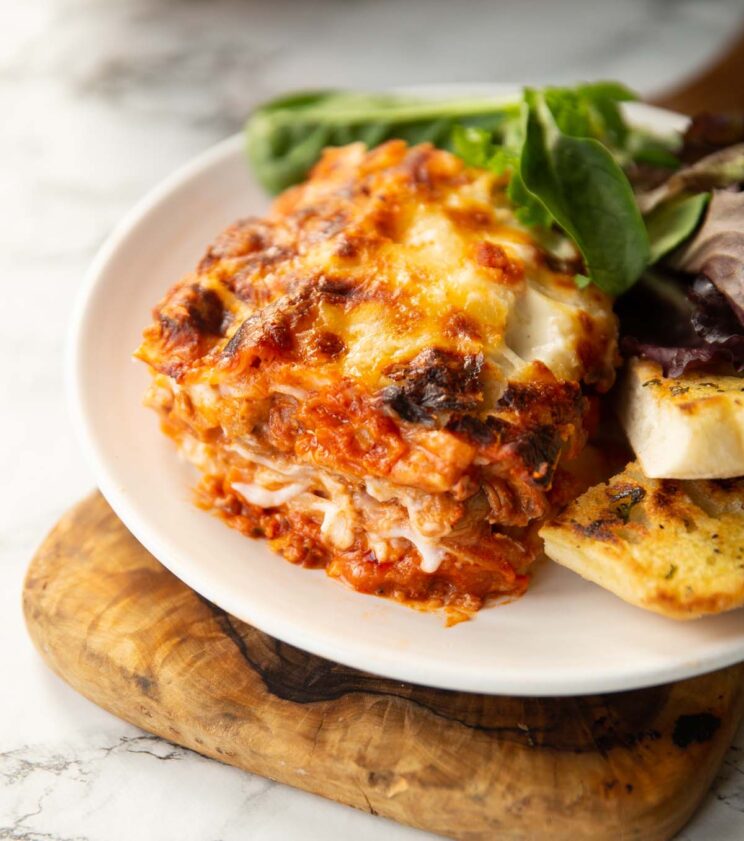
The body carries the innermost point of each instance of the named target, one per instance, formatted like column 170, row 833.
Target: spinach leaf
column 603, row 100
column 562, row 147
column 579, row 183
column 586, row 111
column 671, row 223
column 592, row 110
column 285, row 137
column 477, row 148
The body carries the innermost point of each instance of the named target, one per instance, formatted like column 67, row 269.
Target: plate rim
column 377, row 659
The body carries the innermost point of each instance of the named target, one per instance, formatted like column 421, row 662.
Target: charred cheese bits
column 383, row 375
column 688, row 427
column 671, row 546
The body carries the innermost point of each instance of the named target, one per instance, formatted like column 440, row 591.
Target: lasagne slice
column 383, row 375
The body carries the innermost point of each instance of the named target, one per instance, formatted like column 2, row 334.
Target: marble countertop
column 100, row 101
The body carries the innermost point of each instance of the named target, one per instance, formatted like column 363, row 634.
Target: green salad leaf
column 671, row 223
column 286, row 136
column 563, row 148
column 477, row 148
column 721, row 169
column 592, row 110
column 579, row 183
column 562, row 156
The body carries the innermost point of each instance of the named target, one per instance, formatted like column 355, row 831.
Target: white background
column 100, row 100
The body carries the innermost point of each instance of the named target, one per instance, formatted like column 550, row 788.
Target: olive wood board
column 127, row 634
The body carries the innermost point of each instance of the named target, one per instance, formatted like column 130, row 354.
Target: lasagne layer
column 383, row 375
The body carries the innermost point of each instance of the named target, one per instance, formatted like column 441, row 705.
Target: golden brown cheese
column 388, row 320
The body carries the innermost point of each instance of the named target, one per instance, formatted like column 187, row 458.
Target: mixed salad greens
column 658, row 220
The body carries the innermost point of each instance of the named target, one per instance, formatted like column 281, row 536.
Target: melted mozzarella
column 272, row 464
column 290, row 390
column 194, row 452
column 541, row 327
column 265, row 498
column 423, row 526
column 337, row 526
column 338, row 515
column 432, row 555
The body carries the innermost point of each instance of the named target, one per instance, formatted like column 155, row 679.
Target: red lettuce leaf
column 675, row 361
column 713, row 318
column 717, row 250
column 722, row 169
column 682, row 327
column 707, row 133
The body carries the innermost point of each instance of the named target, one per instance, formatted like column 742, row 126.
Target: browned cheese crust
column 390, row 328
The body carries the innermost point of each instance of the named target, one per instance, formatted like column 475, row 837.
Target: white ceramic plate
column 565, row 636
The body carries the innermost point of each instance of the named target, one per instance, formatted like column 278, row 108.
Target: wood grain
column 122, row 630
column 719, row 88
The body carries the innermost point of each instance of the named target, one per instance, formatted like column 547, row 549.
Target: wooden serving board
column 126, row 633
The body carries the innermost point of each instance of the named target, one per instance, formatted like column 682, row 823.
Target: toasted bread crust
column 688, row 427
column 675, row 547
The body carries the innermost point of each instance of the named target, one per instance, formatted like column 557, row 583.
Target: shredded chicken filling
column 375, row 512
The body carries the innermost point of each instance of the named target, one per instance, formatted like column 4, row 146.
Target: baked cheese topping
column 390, row 367
column 382, row 255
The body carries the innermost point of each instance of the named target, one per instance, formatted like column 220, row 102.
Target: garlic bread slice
column 688, row 427
column 671, row 546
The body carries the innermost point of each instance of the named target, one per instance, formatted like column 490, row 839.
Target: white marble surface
column 98, row 102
